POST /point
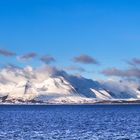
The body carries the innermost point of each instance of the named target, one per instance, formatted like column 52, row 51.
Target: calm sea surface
column 70, row 122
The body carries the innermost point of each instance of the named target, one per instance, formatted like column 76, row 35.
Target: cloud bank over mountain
column 49, row 84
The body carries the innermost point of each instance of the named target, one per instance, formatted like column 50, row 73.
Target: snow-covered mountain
column 50, row 85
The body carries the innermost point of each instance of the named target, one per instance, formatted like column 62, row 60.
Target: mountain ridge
column 53, row 86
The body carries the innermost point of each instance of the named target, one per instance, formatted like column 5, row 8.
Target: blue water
column 86, row 122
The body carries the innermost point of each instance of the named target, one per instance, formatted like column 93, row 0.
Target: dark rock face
column 4, row 98
column 27, row 86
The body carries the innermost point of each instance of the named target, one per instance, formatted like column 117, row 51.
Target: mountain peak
column 28, row 84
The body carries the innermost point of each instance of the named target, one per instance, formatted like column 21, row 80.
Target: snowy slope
column 51, row 85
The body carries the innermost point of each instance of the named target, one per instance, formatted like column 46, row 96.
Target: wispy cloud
column 134, row 61
column 50, row 70
column 85, row 59
column 11, row 66
column 27, row 56
column 47, row 59
column 75, row 68
column 128, row 73
column 6, row 53
column 131, row 73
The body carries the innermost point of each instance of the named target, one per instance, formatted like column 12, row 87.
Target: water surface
column 70, row 122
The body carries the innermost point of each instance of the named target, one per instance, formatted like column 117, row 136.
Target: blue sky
column 107, row 30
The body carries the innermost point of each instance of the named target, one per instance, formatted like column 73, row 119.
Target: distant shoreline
column 105, row 102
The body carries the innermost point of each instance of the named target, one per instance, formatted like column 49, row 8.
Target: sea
column 70, row 122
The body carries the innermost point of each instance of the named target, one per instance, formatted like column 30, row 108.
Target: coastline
column 115, row 102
